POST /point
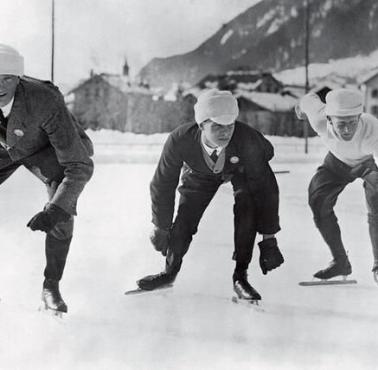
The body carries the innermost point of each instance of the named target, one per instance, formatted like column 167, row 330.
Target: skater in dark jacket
column 210, row 152
column 38, row 132
column 351, row 137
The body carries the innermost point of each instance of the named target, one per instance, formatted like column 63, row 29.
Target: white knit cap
column 218, row 105
column 344, row 102
column 11, row 61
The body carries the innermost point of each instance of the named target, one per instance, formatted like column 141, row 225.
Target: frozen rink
column 194, row 325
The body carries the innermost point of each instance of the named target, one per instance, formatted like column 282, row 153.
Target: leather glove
column 48, row 218
column 270, row 255
column 160, row 239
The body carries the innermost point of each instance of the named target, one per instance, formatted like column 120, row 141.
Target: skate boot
column 336, row 268
column 51, row 297
column 162, row 280
column 375, row 272
column 243, row 289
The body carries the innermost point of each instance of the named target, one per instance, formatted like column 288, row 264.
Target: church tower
column 125, row 69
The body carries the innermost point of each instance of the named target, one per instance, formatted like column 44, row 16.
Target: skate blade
column 236, row 299
column 375, row 276
column 142, row 291
column 247, row 301
column 250, row 303
column 51, row 312
column 343, row 281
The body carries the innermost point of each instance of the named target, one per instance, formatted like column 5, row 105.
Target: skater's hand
column 160, row 239
column 300, row 114
column 48, row 218
column 270, row 255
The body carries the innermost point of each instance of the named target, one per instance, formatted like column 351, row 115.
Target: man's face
column 216, row 134
column 8, row 85
column 345, row 127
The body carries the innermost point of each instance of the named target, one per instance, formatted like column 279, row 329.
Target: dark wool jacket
column 247, row 155
column 43, row 136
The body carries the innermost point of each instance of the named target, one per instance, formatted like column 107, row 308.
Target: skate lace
column 243, row 288
column 53, row 296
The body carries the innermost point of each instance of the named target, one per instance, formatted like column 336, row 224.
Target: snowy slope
column 270, row 36
column 195, row 325
column 355, row 67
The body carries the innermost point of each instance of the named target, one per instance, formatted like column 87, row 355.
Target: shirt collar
column 209, row 149
column 7, row 108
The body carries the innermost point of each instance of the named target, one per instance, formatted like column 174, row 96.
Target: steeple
column 125, row 68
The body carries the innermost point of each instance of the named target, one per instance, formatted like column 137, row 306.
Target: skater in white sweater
column 352, row 139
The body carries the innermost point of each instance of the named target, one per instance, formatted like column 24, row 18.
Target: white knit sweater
column 363, row 145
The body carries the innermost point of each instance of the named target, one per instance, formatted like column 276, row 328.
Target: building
column 242, row 79
column 369, row 87
column 111, row 101
column 100, row 102
column 322, row 86
column 270, row 113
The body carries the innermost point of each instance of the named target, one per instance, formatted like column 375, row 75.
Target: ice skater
column 38, row 132
column 210, row 152
column 351, row 137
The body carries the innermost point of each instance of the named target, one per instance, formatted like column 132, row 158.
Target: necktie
column 3, row 124
column 214, row 156
column 3, row 119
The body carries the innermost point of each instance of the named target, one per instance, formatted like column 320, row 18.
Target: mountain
column 270, row 36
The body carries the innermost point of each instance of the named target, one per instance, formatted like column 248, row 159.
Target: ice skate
column 375, row 276
column 51, row 298
column 244, row 291
column 375, row 272
column 336, row 268
column 158, row 281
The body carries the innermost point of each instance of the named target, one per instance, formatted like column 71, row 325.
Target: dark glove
column 270, row 255
column 48, row 218
column 160, row 239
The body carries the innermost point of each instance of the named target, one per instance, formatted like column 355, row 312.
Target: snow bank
column 126, row 147
column 112, row 137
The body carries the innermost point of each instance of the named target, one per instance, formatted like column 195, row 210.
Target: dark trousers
column 58, row 240
column 57, row 243
column 328, row 182
column 195, row 196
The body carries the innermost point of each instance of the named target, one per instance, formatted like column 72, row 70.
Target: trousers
column 58, row 240
column 329, row 181
column 195, row 195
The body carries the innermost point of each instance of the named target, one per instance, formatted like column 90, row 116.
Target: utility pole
column 307, row 40
column 52, row 38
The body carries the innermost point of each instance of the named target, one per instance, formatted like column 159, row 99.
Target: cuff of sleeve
column 269, row 229
column 70, row 209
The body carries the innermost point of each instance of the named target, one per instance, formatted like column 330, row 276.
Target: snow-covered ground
column 194, row 325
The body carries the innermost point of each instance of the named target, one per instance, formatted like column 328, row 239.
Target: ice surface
column 194, row 325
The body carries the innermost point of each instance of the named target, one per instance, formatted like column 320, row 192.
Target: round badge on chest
column 18, row 132
column 234, row 160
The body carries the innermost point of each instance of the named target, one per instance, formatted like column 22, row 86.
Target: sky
column 99, row 34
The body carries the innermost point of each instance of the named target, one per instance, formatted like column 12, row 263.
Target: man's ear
column 201, row 126
column 329, row 119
